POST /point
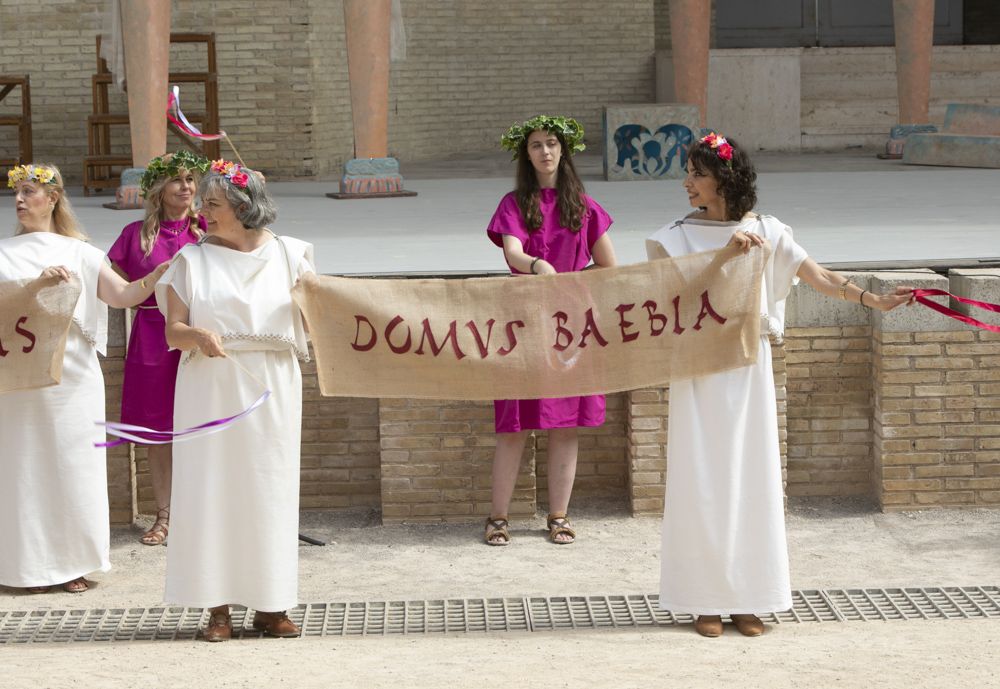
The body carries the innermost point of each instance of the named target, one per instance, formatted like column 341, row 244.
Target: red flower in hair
column 725, row 151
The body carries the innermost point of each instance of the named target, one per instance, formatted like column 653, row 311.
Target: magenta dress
column 150, row 369
column 567, row 251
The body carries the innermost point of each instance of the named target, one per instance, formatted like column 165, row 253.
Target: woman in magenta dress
column 546, row 225
column 171, row 222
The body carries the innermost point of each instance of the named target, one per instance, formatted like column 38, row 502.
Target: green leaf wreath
column 181, row 160
column 570, row 130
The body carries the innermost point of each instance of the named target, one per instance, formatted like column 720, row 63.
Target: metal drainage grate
column 491, row 615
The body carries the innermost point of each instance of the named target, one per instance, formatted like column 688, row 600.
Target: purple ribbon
column 147, row 436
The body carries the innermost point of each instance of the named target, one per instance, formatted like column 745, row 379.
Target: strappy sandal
column 78, row 585
column 496, row 528
column 558, row 524
column 157, row 533
column 38, row 589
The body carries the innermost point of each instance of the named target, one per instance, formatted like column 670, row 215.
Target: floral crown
column 30, row 173
column 233, row 172
column 162, row 166
column 722, row 148
column 570, row 130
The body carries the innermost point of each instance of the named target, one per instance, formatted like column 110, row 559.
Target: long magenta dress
column 567, row 251
column 150, row 369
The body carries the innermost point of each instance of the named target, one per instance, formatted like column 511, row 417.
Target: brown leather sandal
column 496, row 528
column 157, row 533
column 558, row 524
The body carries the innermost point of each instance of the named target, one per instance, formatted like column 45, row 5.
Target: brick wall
column 121, row 471
column 828, row 345
column 436, row 462
column 936, row 396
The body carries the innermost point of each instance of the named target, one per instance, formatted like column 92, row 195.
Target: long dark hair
column 569, row 189
column 737, row 181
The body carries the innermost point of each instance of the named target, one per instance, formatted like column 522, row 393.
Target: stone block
column 954, row 150
column 916, row 318
column 807, row 308
column 648, row 141
column 972, row 118
column 981, row 284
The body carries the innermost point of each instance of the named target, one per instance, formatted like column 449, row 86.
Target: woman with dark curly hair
column 724, row 549
column 547, row 225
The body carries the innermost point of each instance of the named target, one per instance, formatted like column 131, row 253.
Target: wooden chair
column 22, row 121
column 101, row 166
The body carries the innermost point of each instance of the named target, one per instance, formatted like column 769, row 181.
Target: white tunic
column 53, row 481
column 724, row 548
column 235, row 503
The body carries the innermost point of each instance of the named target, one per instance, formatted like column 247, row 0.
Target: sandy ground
column 838, row 544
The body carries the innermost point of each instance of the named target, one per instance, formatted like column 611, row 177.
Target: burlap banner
column 572, row 334
column 34, row 322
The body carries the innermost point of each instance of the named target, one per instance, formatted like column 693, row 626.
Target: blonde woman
column 53, row 481
column 169, row 185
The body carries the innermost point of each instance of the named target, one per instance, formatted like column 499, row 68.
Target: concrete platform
column 844, row 208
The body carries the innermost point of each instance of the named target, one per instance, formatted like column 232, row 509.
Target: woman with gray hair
column 236, row 493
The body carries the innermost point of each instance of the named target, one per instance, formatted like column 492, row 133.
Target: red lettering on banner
column 654, row 318
column 591, row 329
column 623, row 324
column 26, row 334
column 707, row 310
column 357, row 334
column 400, row 349
column 562, row 331
column 484, row 347
column 677, row 316
column 452, row 335
column 511, row 338
column 3, row 352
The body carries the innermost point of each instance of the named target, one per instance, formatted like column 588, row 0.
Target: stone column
column 913, row 23
column 146, row 30
column 690, row 26
column 371, row 173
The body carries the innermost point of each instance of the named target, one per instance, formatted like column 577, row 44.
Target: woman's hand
column 744, row 241
column 209, row 343
column 157, row 273
column 543, row 267
column 56, row 274
column 887, row 302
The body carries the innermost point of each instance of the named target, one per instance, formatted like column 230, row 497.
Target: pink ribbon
column 921, row 295
column 176, row 116
column 147, row 436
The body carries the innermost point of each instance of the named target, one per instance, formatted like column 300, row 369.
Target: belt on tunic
column 147, row 307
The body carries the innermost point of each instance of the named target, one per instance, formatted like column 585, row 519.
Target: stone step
column 949, row 86
column 978, row 58
column 973, row 119
column 956, row 150
column 824, row 141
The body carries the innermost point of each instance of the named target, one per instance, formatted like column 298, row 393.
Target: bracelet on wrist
column 842, row 291
column 861, row 299
column 532, row 266
column 142, row 283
